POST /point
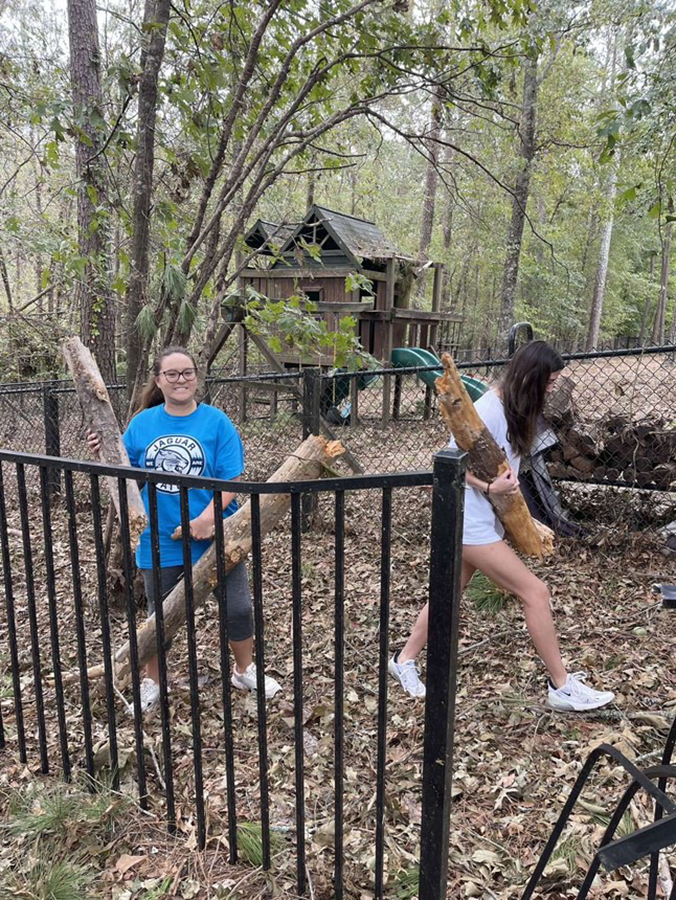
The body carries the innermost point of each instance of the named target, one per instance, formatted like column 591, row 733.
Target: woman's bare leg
column 243, row 653
column 153, row 669
column 418, row 637
column 501, row 564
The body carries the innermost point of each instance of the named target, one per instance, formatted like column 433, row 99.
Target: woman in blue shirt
column 173, row 433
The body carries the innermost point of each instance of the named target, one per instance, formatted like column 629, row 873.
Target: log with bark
column 100, row 417
column 309, row 461
column 487, row 461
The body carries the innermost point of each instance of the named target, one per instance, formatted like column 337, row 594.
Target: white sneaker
column 575, row 696
column 149, row 694
column 407, row 675
column 246, row 681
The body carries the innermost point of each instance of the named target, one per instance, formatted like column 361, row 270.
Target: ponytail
column 151, row 395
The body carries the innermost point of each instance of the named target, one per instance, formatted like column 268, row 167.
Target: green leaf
column 175, row 281
column 145, row 323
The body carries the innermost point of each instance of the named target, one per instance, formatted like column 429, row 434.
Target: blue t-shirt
column 203, row 443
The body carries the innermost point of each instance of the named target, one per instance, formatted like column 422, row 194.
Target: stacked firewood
column 613, row 448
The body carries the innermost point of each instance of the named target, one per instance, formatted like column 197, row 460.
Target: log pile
column 612, row 449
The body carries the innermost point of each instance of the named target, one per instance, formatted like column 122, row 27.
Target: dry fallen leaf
column 127, row 862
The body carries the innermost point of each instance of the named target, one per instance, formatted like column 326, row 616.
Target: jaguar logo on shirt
column 176, row 454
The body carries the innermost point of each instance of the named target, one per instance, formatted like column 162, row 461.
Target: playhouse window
column 316, row 295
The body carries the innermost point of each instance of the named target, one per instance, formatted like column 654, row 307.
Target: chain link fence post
column 312, row 390
column 50, row 409
column 448, row 500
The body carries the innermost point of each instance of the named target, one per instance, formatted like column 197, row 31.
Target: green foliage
column 48, row 880
column 405, row 883
column 250, row 843
column 289, row 325
column 486, row 597
column 44, row 865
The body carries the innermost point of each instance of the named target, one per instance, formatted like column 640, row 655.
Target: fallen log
column 486, row 460
column 100, row 417
column 307, row 462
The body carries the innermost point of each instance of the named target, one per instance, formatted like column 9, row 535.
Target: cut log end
column 334, row 449
column 546, row 536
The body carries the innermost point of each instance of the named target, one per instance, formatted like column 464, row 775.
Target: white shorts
column 481, row 525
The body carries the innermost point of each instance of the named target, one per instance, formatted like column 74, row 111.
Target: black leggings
column 237, row 596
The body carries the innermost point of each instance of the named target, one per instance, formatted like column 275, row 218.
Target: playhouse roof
column 360, row 238
column 356, row 239
column 262, row 235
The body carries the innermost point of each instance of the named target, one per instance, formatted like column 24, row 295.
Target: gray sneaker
column 407, row 675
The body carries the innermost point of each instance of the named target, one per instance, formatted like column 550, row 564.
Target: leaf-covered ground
column 515, row 760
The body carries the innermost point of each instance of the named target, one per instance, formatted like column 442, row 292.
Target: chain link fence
column 612, row 423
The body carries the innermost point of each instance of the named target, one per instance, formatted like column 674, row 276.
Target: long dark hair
column 524, row 389
column 151, row 395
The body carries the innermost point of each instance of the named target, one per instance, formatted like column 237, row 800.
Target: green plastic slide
column 416, row 356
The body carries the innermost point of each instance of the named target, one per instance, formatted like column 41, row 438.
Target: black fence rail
column 614, row 852
column 64, row 708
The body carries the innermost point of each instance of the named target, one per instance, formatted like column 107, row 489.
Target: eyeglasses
column 172, row 375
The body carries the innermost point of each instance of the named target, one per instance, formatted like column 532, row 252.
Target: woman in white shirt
column 510, row 413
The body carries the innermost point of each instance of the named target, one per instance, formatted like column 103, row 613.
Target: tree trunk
column 608, row 218
column 307, row 462
column 646, row 306
column 93, row 296
column 510, row 273
column 155, row 21
column 100, row 418
column 431, row 181
column 602, row 263
column 664, row 271
column 486, row 460
column 448, row 237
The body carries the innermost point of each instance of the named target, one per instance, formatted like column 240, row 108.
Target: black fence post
column 312, row 385
column 312, row 390
column 448, row 502
column 50, row 407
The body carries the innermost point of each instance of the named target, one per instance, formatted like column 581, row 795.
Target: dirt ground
column 515, row 760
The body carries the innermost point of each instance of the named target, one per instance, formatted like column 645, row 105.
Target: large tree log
column 100, row 418
column 486, row 460
column 307, row 462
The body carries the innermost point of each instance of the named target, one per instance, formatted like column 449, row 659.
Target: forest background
column 528, row 147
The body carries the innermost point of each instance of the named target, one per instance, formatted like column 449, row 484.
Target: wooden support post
column 312, row 386
column 354, row 401
column 396, row 405
column 436, row 286
column 427, row 408
column 273, row 402
column 243, row 390
column 388, row 325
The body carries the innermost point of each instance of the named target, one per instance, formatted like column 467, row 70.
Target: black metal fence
column 63, row 703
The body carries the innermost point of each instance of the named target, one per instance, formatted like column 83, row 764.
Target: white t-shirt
column 481, row 525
